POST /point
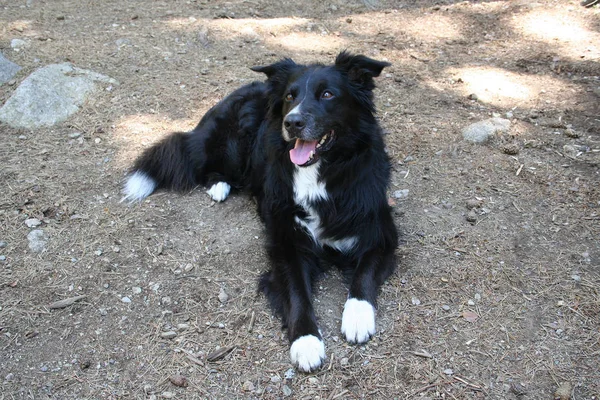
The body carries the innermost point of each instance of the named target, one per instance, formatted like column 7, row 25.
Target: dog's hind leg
column 358, row 318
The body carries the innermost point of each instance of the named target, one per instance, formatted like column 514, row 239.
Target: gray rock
column 37, row 240
column 401, row 194
column 18, row 44
column 482, row 131
column 32, row 222
column 51, row 95
column 8, row 69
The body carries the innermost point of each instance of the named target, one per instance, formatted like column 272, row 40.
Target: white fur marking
column 358, row 320
column 344, row 245
column 307, row 186
column 138, row 186
column 307, row 353
column 219, row 191
column 307, row 190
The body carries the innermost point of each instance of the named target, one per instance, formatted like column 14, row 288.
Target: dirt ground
column 497, row 292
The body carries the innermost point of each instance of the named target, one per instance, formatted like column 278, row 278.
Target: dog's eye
column 327, row 95
column 289, row 97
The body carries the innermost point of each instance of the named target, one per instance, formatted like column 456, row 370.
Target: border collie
column 305, row 143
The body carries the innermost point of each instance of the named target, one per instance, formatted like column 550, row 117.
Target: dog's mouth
column 307, row 152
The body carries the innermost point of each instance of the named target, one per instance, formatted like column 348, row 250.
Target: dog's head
column 317, row 104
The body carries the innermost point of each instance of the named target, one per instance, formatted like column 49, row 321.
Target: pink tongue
column 301, row 151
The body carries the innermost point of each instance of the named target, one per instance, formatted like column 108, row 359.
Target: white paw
column 307, row 353
column 138, row 186
column 358, row 320
column 219, row 191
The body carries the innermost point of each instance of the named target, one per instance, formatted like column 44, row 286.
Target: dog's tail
column 170, row 164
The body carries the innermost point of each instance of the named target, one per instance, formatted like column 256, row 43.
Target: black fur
column 240, row 141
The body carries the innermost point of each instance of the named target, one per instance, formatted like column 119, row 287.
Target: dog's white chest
column 308, row 189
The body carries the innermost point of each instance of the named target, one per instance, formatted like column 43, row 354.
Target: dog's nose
column 294, row 123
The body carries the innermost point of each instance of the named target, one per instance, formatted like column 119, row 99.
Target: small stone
column 446, row 307
column 482, row 131
column 32, row 222
column 472, row 217
column 178, row 380
column 188, row 267
column 448, row 371
column 477, row 297
column 18, row 44
column 168, row 335
column 136, row 290
column 223, row 297
column 221, row 325
column 470, row 302
column 99, row 252
column 572, row 133
column 147, row 389
column 517, row 389
column 472, row 96
column 570, row 150
column 313, row 381
column 125, row 299
column 44, row 369
column 473, row 203
column 289, row 374
column 408, row 159
column 344, row 362
column 286, row 390
column 248, row 386
column 511, row 149
column 74, row 135
column 401, row 194
column 37, row 240
column 275, row 379
column 2, row 244
column 563, row 392
column 167, row 395
column 415, row 301
column 183, row 327
column 576, row 278
column 2, row 258
column 9, row 377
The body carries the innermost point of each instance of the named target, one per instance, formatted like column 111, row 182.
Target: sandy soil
column 497, row 291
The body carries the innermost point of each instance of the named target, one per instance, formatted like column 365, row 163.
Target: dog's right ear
column 280, row 67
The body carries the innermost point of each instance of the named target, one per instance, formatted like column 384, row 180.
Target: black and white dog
column 307, row 146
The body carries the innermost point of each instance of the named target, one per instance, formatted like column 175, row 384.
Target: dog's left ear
column 360, row 69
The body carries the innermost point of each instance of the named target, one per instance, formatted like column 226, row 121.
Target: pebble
column 168, row 335
column 248, row 386
column 125, row 299
column 409, row 159
column 401, row 194
column 571, row 151
column 576, row 278
column 32, row 222
column 482, row 131
column 223, row 297
column 286, row 390
column 99, row 252
column 2, row 258
column 313, row 381
column 470, row 302
column 572, row 133
column 415, row 301
column 275, row 379
column 9, row 377
column 183, row 327
column 37, row 240
column 136, row 290
column 2, row 244
column 74, row 135
column 221, row 325
column 289, row 374
column 344, row 361
column 44, row 369
column 473, row 203
column 477, row 296
column 448, row 371
column 511, row 149
column 446, row 307
column 18, row 44
column 472, row 217
column 167, row 395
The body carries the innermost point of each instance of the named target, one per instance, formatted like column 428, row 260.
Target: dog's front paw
column 219, row 191
column 307, row 353
column 358, row 320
